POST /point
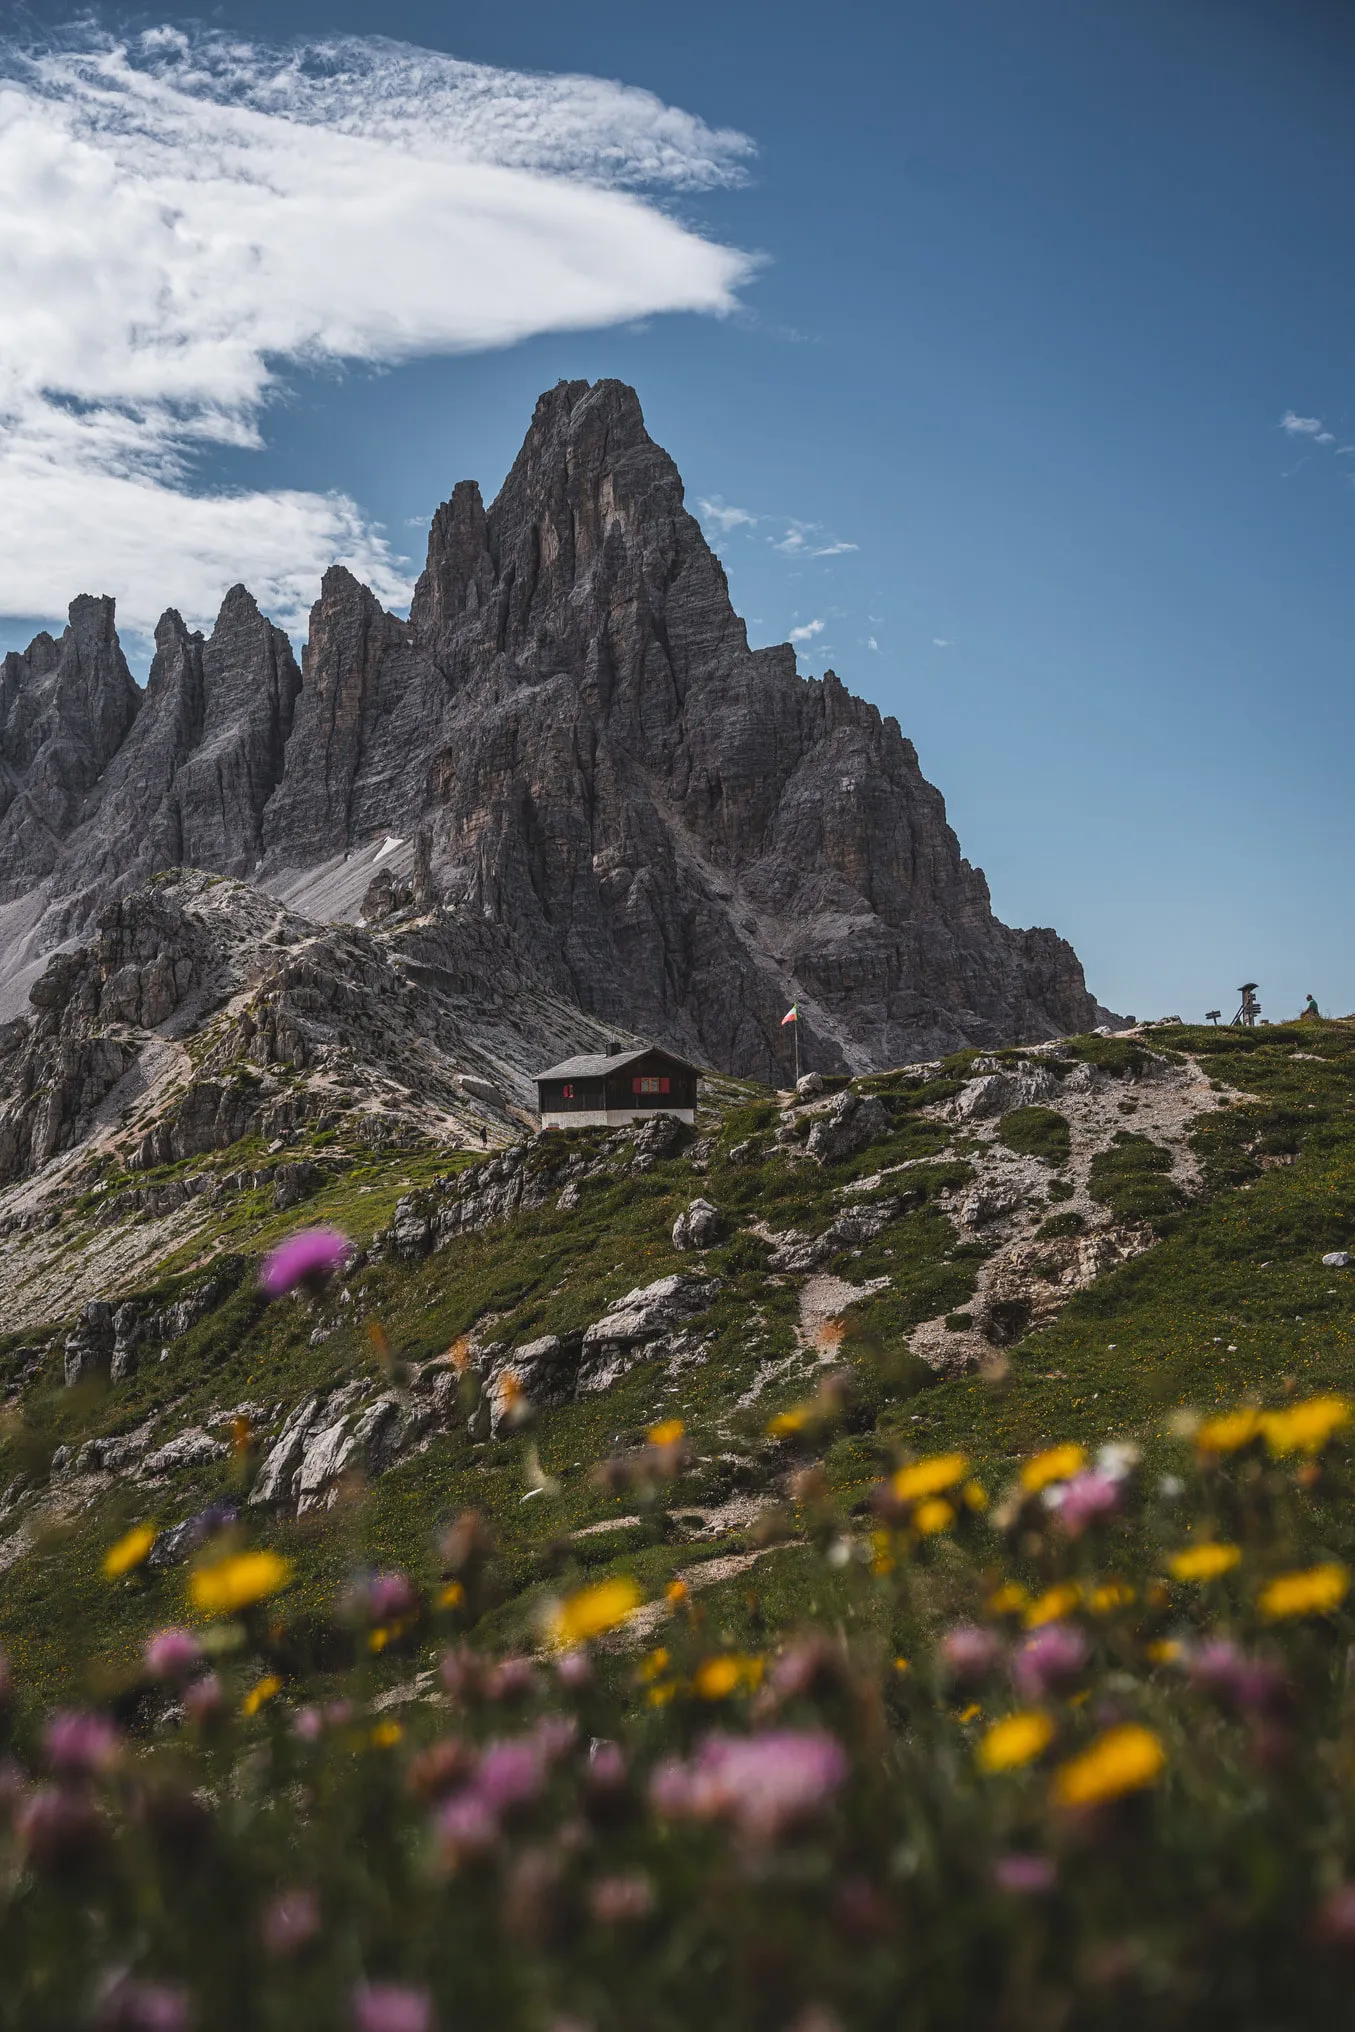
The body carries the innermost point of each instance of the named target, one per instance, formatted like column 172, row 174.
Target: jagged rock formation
column 683, row 833
column 293, row 1024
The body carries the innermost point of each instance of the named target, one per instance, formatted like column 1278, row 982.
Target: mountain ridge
column 686, row 834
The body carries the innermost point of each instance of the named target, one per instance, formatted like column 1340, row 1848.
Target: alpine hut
column 608, row 1090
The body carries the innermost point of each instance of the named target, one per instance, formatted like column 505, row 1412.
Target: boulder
column 849, row 1124
column 638, row 1322
column 191, row 1449
column 1336, row 1259
column 697, row 1227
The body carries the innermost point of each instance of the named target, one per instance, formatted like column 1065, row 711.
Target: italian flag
column 792, row 1015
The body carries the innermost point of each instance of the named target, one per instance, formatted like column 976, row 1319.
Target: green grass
column 1037, row 1132
column 1231, row 1299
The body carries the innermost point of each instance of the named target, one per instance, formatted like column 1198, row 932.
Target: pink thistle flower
column 1251, row 1684
column 555, row 1736
column 510, row 1773
column 291, row 1922
column 390, row 1594
column 173, row 1654
column 308, row 1723
column 1049, row 1659
column 510, row 1679
column 466, row 1826
column 574, row 1669
column 606, row 1766
column 391, row 2007
column 1025, row 1876
column 801, row 1667
column 145, row 2007
column 671, row 1789
column 764, row 1784
column 204, row 1699
column 969, row 1651
column 615, row 1899
column 1088, row 1498
column 81, row 1745
column 309, row 1259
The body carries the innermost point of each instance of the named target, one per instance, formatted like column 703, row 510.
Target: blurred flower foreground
column 1091, row 1763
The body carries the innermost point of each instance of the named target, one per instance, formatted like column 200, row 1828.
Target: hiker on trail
column 484, row 1136
column 1312, row 1008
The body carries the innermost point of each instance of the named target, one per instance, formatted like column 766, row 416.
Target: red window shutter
column 664, row 1086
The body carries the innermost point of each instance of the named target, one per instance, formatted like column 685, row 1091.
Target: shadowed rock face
column 685, row 834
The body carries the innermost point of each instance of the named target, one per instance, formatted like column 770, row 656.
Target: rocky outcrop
column 682, row 832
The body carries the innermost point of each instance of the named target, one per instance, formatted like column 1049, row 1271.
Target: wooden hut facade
column 607, row 1090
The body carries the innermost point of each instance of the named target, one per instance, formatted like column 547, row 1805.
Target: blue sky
column 1032, row 291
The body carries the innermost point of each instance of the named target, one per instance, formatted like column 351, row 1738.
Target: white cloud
column 725, row 517
column 808, row 631
column 187, row 216
column 941, row 642
column 804, row 539
column 871, row 643
column 1305, row 426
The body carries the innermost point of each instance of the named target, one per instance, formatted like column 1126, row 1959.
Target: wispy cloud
column 941, row 642
column 186, row 217
column 806, row 539
column 807, row 631
column 871, row 643
column 725, row 517
column 1306, row 426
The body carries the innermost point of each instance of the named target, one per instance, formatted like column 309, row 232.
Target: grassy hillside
column 1231, row 1300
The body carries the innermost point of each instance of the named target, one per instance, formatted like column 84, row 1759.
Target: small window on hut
column 567, row 1091
column 649, row 1083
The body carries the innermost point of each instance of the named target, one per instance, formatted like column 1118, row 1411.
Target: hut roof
column 596, row 1064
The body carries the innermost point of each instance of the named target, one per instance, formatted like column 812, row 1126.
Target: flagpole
column 795, row 1026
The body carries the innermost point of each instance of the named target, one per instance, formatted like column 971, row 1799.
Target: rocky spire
column 685, row 834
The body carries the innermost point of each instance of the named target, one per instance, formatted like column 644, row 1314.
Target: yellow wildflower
column 929, row 1477
column 932, row 1516
column 1124, row 1759
column 1112, row 1594
column 676, row 1593
column 902, row 1665
column 975, row 1495
column 1008, row 1600
column 1056, row 1464
column 129, row 1552
column 787, row 1423
column 881, row 1553
column 1228, row 1433
column 1053, row 1603
column 1306, row 1427
column 666, row 1433
column 1165, row 1651
column 660, row 1694
column 1313, row 1592
column 652, row 1665
column 261, row 1692
column 1016, row 1740
column 452, row 1596
column 970, row 1713
column 237, row 1581
column 386, row 1735
column 717, row 1678
column 1203, row 1562
column 593, row 1610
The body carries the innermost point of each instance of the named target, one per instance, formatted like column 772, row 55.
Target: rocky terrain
column 940, row 1216
column 568, row 742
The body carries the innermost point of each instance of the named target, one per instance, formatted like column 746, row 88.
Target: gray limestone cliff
column 685, row 834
